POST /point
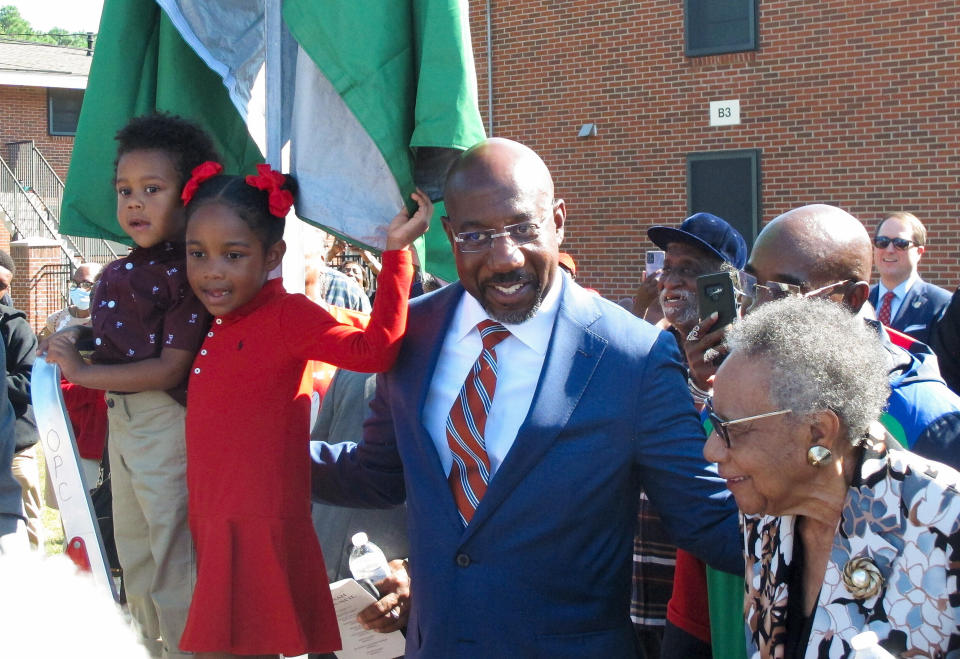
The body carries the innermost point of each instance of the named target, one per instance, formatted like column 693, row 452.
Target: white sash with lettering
column 84, row 545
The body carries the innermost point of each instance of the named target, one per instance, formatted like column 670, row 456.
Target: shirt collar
column 533, row 333
column 159, row 253
column 271, row 289
column 900, row 290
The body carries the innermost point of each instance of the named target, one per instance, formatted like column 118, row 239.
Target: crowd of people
column 554, row 474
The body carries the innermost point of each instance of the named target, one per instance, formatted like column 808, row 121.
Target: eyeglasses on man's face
column 85, row 285
column 720, row 424
column 753, row 293
column 882, row 242
column 520, row 233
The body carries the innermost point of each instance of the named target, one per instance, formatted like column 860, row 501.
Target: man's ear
column 559, row 218
column 856, row 295
column 920, row 250
column 274, row 255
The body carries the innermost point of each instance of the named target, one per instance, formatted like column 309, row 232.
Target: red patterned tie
column 884, row 314
column 467, row 421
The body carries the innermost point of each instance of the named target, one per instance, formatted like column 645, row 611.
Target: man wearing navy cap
column 703, row 243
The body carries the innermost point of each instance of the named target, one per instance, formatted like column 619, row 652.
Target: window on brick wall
column 727, row 184
column 719, row 26
column 63, row 110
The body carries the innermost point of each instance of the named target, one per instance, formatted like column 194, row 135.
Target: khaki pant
column 148, row 466
column 27, row 472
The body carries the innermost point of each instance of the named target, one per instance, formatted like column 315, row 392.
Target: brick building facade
column 41, row 87
column 848, row 103
column 23, row 116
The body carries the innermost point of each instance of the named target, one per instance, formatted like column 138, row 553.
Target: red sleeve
column 689, row 608
column 313, row 333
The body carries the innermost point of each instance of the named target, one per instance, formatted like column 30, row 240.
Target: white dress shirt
column 899, row 293
column 519, row 360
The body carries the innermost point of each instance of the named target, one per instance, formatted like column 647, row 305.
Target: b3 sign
column 725, row 113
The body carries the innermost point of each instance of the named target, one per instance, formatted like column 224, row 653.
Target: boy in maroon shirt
column 148, row 325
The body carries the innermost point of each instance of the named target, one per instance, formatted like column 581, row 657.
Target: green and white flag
column 378, row 96
column 141, row 64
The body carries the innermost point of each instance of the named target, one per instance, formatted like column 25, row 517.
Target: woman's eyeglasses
column 720, row 424
column 882, row 242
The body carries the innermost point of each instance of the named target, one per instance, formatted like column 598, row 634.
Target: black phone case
column 715, row 292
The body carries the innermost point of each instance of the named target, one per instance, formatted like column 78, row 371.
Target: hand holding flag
column 403, row 229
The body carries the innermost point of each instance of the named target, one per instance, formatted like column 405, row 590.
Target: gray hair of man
column 822, row 357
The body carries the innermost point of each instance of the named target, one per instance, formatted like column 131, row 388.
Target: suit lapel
column 432, row 326
column 912, row 302
column 572, row 356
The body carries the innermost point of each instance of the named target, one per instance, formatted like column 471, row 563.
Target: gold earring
column 818, row 455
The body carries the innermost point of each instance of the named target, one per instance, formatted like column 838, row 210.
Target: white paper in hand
column 349, row 599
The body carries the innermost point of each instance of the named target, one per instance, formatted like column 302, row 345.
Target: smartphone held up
column 654, row 261
column 717, row 292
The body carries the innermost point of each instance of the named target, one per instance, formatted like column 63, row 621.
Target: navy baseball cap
column 708, row 232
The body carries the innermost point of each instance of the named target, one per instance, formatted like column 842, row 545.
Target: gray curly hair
column 821, row 356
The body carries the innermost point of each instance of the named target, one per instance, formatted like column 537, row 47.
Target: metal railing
column 25, row 213
column 35, row 173
column 42, row 190
column 49, row 290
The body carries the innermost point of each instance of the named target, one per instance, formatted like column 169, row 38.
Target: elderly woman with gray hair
column 843, row 533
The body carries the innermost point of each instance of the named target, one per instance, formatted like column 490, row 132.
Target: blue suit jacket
column 544, row 567
column 922, row 305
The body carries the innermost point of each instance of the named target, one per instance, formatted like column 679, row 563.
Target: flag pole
column 272, row 20
column 293, row 265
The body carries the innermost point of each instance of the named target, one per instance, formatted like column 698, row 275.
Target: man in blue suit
column 590, row 404
column 902, row 299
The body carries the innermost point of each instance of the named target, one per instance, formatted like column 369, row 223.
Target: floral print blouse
column 893, row 568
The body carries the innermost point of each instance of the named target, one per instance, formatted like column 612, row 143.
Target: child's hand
column 404, row 229
column 72, row 333
column 61, row 349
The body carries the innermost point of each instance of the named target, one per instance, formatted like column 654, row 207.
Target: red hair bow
column 202, row 172
column 272, row 181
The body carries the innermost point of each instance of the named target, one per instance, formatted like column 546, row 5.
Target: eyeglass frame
column 747, row 282
column 720, row 424
column 493, row 234
column 897, row 242
column 85, row 285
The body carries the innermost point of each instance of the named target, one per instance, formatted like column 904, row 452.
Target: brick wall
column 38, row 283
column 851, row 103
column 23, row 116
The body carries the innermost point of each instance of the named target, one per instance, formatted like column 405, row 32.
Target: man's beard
column 689, row 314
column 517, row 316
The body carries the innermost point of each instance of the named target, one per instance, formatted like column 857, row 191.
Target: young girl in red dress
column 261, row 582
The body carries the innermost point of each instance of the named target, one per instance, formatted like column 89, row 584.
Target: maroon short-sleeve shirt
column 144, row 304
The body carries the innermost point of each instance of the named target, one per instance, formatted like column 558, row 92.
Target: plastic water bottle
column 866, row 645
column 367, row 562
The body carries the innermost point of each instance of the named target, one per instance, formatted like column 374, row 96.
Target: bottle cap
column 359, row 539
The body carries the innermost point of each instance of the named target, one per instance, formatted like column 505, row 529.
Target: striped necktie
column 467, row 421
